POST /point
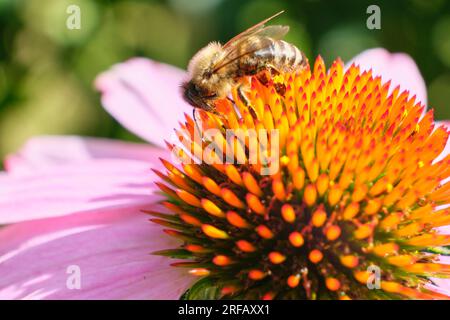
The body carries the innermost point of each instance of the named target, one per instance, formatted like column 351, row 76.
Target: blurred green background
column 47, row 70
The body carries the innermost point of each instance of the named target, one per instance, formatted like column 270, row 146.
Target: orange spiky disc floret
column 357, row 186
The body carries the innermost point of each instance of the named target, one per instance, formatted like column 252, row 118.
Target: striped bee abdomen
column 281, row 55
column 260, row 53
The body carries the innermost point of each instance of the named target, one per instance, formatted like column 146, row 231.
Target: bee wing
column 251, row 31
column 232, row 51
column 231, row 48
column 275, row 32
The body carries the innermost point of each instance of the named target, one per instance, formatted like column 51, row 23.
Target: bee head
column 197, row 96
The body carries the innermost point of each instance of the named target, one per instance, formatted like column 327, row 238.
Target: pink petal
column 84, row 186
column 111, row 249
column 398, row 67
column 54, row 176
column 144, row 96
column 45, row 151
column 442, row 285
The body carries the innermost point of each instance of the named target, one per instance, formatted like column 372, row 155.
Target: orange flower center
column 351, row 210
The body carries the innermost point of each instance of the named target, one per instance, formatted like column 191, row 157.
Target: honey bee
column 216, row 68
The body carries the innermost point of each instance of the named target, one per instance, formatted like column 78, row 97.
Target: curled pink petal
column 110, row 250
column 145, row 97
column 42, row 152
column 77, row 187
column 400, row 68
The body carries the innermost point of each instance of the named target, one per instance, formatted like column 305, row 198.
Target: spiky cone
column 357, row 187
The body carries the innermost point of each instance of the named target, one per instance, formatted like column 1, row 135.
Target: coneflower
column 357, row 188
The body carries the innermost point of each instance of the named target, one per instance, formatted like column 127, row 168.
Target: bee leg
column 266, row 75
column 273, row 71
column 263, row 78
column 242, row 96
column 266, row 80
column 244, row 99
column 231, row 100
column 280, row 87
column 195, row 120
